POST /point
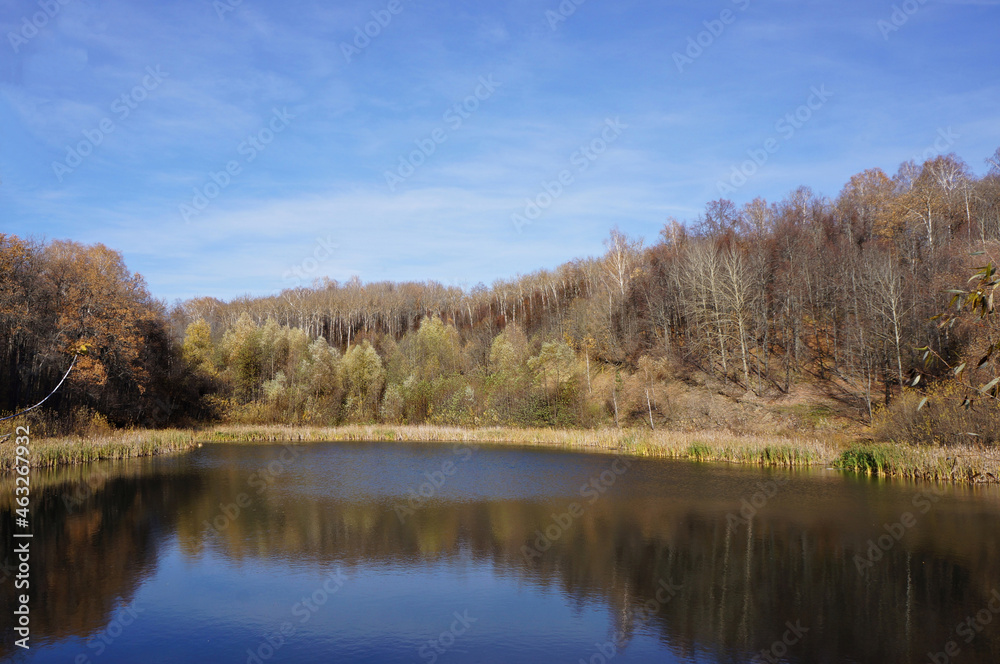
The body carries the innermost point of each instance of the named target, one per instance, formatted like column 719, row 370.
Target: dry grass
column 959, row 463
column 955, row 463
column 48, row 452
column 943, row 419
column 698, row 445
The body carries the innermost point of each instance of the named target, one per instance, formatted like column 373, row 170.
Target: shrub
column 946, row 418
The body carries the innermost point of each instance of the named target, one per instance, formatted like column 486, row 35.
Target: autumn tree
column 741, row 298
column 620, row 265
column 507, row 383
column 554, row 368
column 60, row 297
column 198, row 349
column 243, row 353
column 364, row 376
column 867, row 208
column 321, row 372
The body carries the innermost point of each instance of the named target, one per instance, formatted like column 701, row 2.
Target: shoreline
column 701, row 445
column 967, row 465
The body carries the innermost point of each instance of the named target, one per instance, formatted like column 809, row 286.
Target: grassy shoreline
column 960, row 464
column 768, row 450
column 954, row 464
column 126, row 444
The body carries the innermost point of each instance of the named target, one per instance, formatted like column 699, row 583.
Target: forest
column 805, row 300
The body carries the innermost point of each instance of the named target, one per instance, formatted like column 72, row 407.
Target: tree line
column 762, row 300
column 62, row 299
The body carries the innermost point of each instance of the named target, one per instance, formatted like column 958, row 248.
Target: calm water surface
column 329, row 553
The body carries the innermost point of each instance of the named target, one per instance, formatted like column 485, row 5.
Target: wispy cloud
column 450, row 220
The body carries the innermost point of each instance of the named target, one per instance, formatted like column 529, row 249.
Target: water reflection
column 97, row 531
column 817, row 552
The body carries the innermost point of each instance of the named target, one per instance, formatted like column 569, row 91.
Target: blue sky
column 506, row 97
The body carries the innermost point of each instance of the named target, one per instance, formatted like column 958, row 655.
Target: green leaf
column 959, row 369
column 915, row 381
column 923, row 402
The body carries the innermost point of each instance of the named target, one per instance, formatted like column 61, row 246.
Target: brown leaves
column 63, row 299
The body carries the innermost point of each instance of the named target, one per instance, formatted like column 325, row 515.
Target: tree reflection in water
column 662, row 523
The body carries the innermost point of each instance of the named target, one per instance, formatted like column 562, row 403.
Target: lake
column 441, row 553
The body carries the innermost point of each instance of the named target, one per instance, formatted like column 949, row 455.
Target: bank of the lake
column 707, row 445
column 122, row 444
column 966, row 464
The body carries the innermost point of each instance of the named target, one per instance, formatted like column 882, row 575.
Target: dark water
column 150, row 561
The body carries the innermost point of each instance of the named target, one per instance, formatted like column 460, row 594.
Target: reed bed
column 726, row 446
column 966, row 464
column 975, row 464
column 125, row 444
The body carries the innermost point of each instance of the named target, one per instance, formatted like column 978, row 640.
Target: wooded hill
column 746, row 306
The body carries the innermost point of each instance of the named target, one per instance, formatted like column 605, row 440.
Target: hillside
column 802, row 314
